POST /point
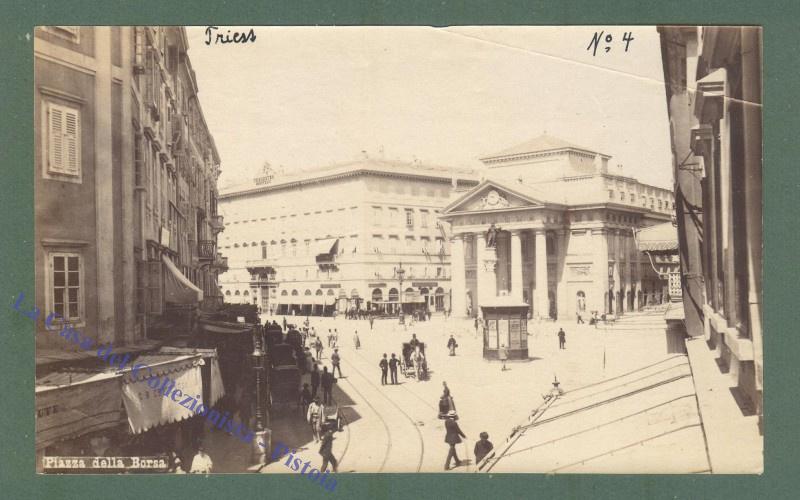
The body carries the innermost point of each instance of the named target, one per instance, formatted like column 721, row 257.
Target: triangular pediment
column 492, row 195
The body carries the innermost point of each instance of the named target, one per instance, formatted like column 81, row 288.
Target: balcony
column 220, row 263
column 206, row 250
column 216, row 223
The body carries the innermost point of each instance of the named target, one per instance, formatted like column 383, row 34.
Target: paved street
column 395, row 428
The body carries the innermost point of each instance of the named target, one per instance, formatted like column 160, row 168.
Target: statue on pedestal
column 491, row 236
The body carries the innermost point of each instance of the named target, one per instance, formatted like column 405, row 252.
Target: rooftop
column 540, row 144
column 367, row 165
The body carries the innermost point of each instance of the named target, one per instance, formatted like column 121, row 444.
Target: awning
column 659, row 238
column 326, row 247
column 223, row 327
column 177, row 287
column 211, row 356
column 71, row 404
column 145, row 406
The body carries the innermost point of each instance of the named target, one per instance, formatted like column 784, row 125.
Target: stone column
column 458, row 281
column 599, row 272
column 487, row 280
column 631, row 253
column 516, row 266
column 541, row 308
column 618, row 286
column 561, row 274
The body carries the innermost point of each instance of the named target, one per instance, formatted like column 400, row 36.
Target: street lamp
column 400, row 272
column 262, row 433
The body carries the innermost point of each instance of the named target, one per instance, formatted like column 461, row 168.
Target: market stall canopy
column 146, row 407
column 71, row 404
column 178, row 289
column 210, row 355
column 643, row 421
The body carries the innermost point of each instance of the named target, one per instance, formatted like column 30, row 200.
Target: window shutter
column 56, row 138
column 71, row 142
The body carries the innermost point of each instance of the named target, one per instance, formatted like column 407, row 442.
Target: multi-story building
column 362, row 235
column 713, row 90
column 552, row 226
column 125, row 205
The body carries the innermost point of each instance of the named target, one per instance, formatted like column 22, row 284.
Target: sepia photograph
column 319, row 250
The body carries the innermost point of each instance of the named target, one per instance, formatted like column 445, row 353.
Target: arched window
column 228, row 293
column 308, row 293
column 295, row 293
column 284, row 293
column 246, row 293
column 244, row 245
column 394, row 295
column 353, row 293
column 377, row 295
column 319, row 292
column 237, row 293
column 330, row 292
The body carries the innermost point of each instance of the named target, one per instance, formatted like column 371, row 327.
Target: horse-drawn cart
column 413, row 362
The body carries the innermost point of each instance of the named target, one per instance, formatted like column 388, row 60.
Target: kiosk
column 505, row 323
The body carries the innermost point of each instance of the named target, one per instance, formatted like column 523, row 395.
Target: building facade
column 359, row 236
column 125, row 178
column 552, row 226
column 125, row 229
column 713, row 90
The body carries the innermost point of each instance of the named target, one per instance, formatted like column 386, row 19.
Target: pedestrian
column 451, row 344
column 371, row 321
column 413, row 342
column 201, row 463
column 452, row 437
column 314, row 380
column 335, row 337
column 482, row 448
column 476, row 326
column 330, row 337
column 313, row 417
column 305, row 399
column 502, row 354
column 327, row 381
column 384, row 364
column 285, row 324
column 318, row 348
column 326, row 450
column 393, row 367
column 356, row 340
column 562, row 339
column 335, row 361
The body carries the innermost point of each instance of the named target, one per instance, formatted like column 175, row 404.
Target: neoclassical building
column 552, row 225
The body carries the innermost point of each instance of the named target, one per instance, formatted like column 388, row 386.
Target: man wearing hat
column 201, row 463
column 482, row 448
column 313, row 416
column 453, row 437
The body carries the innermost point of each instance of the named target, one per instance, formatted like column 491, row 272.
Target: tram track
column 399, row 409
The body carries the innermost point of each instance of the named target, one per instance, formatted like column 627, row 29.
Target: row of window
column 391, row 216
column 662, row 204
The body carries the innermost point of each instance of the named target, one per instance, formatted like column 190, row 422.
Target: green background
column 781, row 179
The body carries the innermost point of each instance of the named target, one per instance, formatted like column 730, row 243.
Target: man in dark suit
column 326, row 450
column 384, row 364
column 314, row 380
column 453, row 437
column 393, row 367
column 327, row 381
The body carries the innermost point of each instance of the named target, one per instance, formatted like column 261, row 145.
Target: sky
column 305, row 97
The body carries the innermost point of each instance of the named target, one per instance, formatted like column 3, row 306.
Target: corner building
column 564, row 240
column 362, row 235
